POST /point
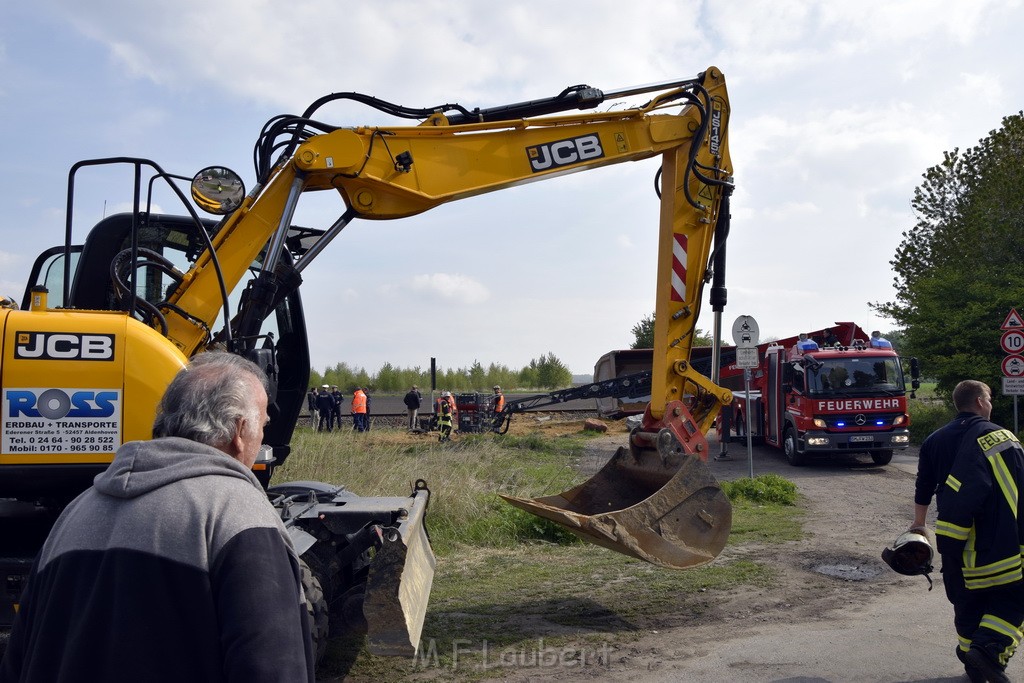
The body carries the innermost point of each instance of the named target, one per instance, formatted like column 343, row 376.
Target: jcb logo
column 564, row 152
column 64, row 346
column 715, row 140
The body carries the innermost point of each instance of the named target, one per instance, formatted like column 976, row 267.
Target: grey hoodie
column 172, row 567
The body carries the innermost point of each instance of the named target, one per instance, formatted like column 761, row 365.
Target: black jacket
column 981, row 516
column 937, row 455
column 325, row 402
column 413, row 400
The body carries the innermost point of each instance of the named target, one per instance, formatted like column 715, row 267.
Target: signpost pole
column 746, row 416
column 746, row 335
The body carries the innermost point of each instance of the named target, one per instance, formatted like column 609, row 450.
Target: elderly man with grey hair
column 173, row 566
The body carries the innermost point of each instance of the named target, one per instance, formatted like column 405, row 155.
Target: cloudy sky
column 837, row 109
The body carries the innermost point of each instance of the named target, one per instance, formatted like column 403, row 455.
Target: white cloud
column 453, row 287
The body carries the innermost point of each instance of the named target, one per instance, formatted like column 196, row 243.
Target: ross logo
column 54, row 404
column 63, row 346
column 564, row 152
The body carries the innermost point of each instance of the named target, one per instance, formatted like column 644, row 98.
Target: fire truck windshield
column 854, row 375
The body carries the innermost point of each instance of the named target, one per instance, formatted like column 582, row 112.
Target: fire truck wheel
column 789, row 446
column 881, row 457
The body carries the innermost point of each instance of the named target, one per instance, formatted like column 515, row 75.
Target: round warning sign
column 1013, row 366
column 1012, row 341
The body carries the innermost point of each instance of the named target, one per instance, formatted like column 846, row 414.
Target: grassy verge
column 506, row 578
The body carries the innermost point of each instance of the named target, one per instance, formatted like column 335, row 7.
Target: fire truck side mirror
column 915, row 371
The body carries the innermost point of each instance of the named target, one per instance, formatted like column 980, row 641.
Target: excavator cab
column 366, row 562
column 101, row 278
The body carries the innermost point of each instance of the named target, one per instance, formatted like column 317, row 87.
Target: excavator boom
column 655, row 500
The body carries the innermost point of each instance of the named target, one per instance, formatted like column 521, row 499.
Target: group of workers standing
column 325, row 404
column 325, row 409
column 446, row 411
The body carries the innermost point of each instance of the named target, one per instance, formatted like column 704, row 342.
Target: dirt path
column 837, row 612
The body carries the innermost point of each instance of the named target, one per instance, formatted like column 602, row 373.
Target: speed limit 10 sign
column 1012, row 341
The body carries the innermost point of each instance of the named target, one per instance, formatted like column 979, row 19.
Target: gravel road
column 837, row 613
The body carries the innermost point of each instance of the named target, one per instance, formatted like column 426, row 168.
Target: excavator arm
column 384, row 173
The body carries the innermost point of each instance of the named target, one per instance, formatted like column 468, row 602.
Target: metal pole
column 750, row 442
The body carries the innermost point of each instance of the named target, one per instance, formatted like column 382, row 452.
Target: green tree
column 552, row 373
column 960, row 269
column 643, row 335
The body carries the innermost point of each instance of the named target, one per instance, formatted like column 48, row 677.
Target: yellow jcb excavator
column 107, row 322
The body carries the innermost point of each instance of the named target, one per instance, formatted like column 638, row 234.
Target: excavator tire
column 791, row 448
column 316, row 609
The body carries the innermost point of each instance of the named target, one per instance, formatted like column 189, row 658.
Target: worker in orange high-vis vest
column 359, row 410
column 499, row 408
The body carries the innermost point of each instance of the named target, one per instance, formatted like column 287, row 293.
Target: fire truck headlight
column 901, row 438
column 899, row 420
column 817, row 441
column 819, row 423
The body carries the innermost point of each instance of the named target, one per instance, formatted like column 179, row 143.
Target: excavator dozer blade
column 660, row 505
column 398, row 586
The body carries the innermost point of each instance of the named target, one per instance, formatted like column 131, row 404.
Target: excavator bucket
column 657, row 504
column 398, row 586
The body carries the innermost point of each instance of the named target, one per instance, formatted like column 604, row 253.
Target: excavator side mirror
column 218, row 190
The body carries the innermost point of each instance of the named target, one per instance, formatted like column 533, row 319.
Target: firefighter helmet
column 911, row 554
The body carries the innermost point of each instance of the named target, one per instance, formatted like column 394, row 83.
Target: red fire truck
column 826, row 395
column 844, row 397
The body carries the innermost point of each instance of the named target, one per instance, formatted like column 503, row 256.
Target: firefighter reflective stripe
column 970, row 555
column 958, row 533
column 995, row 574
column 953, row 483
column 965, row 643
column 1001, row 626
column 992, row 445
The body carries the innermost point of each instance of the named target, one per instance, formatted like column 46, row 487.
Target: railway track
column 398, row 420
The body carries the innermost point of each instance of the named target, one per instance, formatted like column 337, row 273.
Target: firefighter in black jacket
column 976, row 468
column 325, row 404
